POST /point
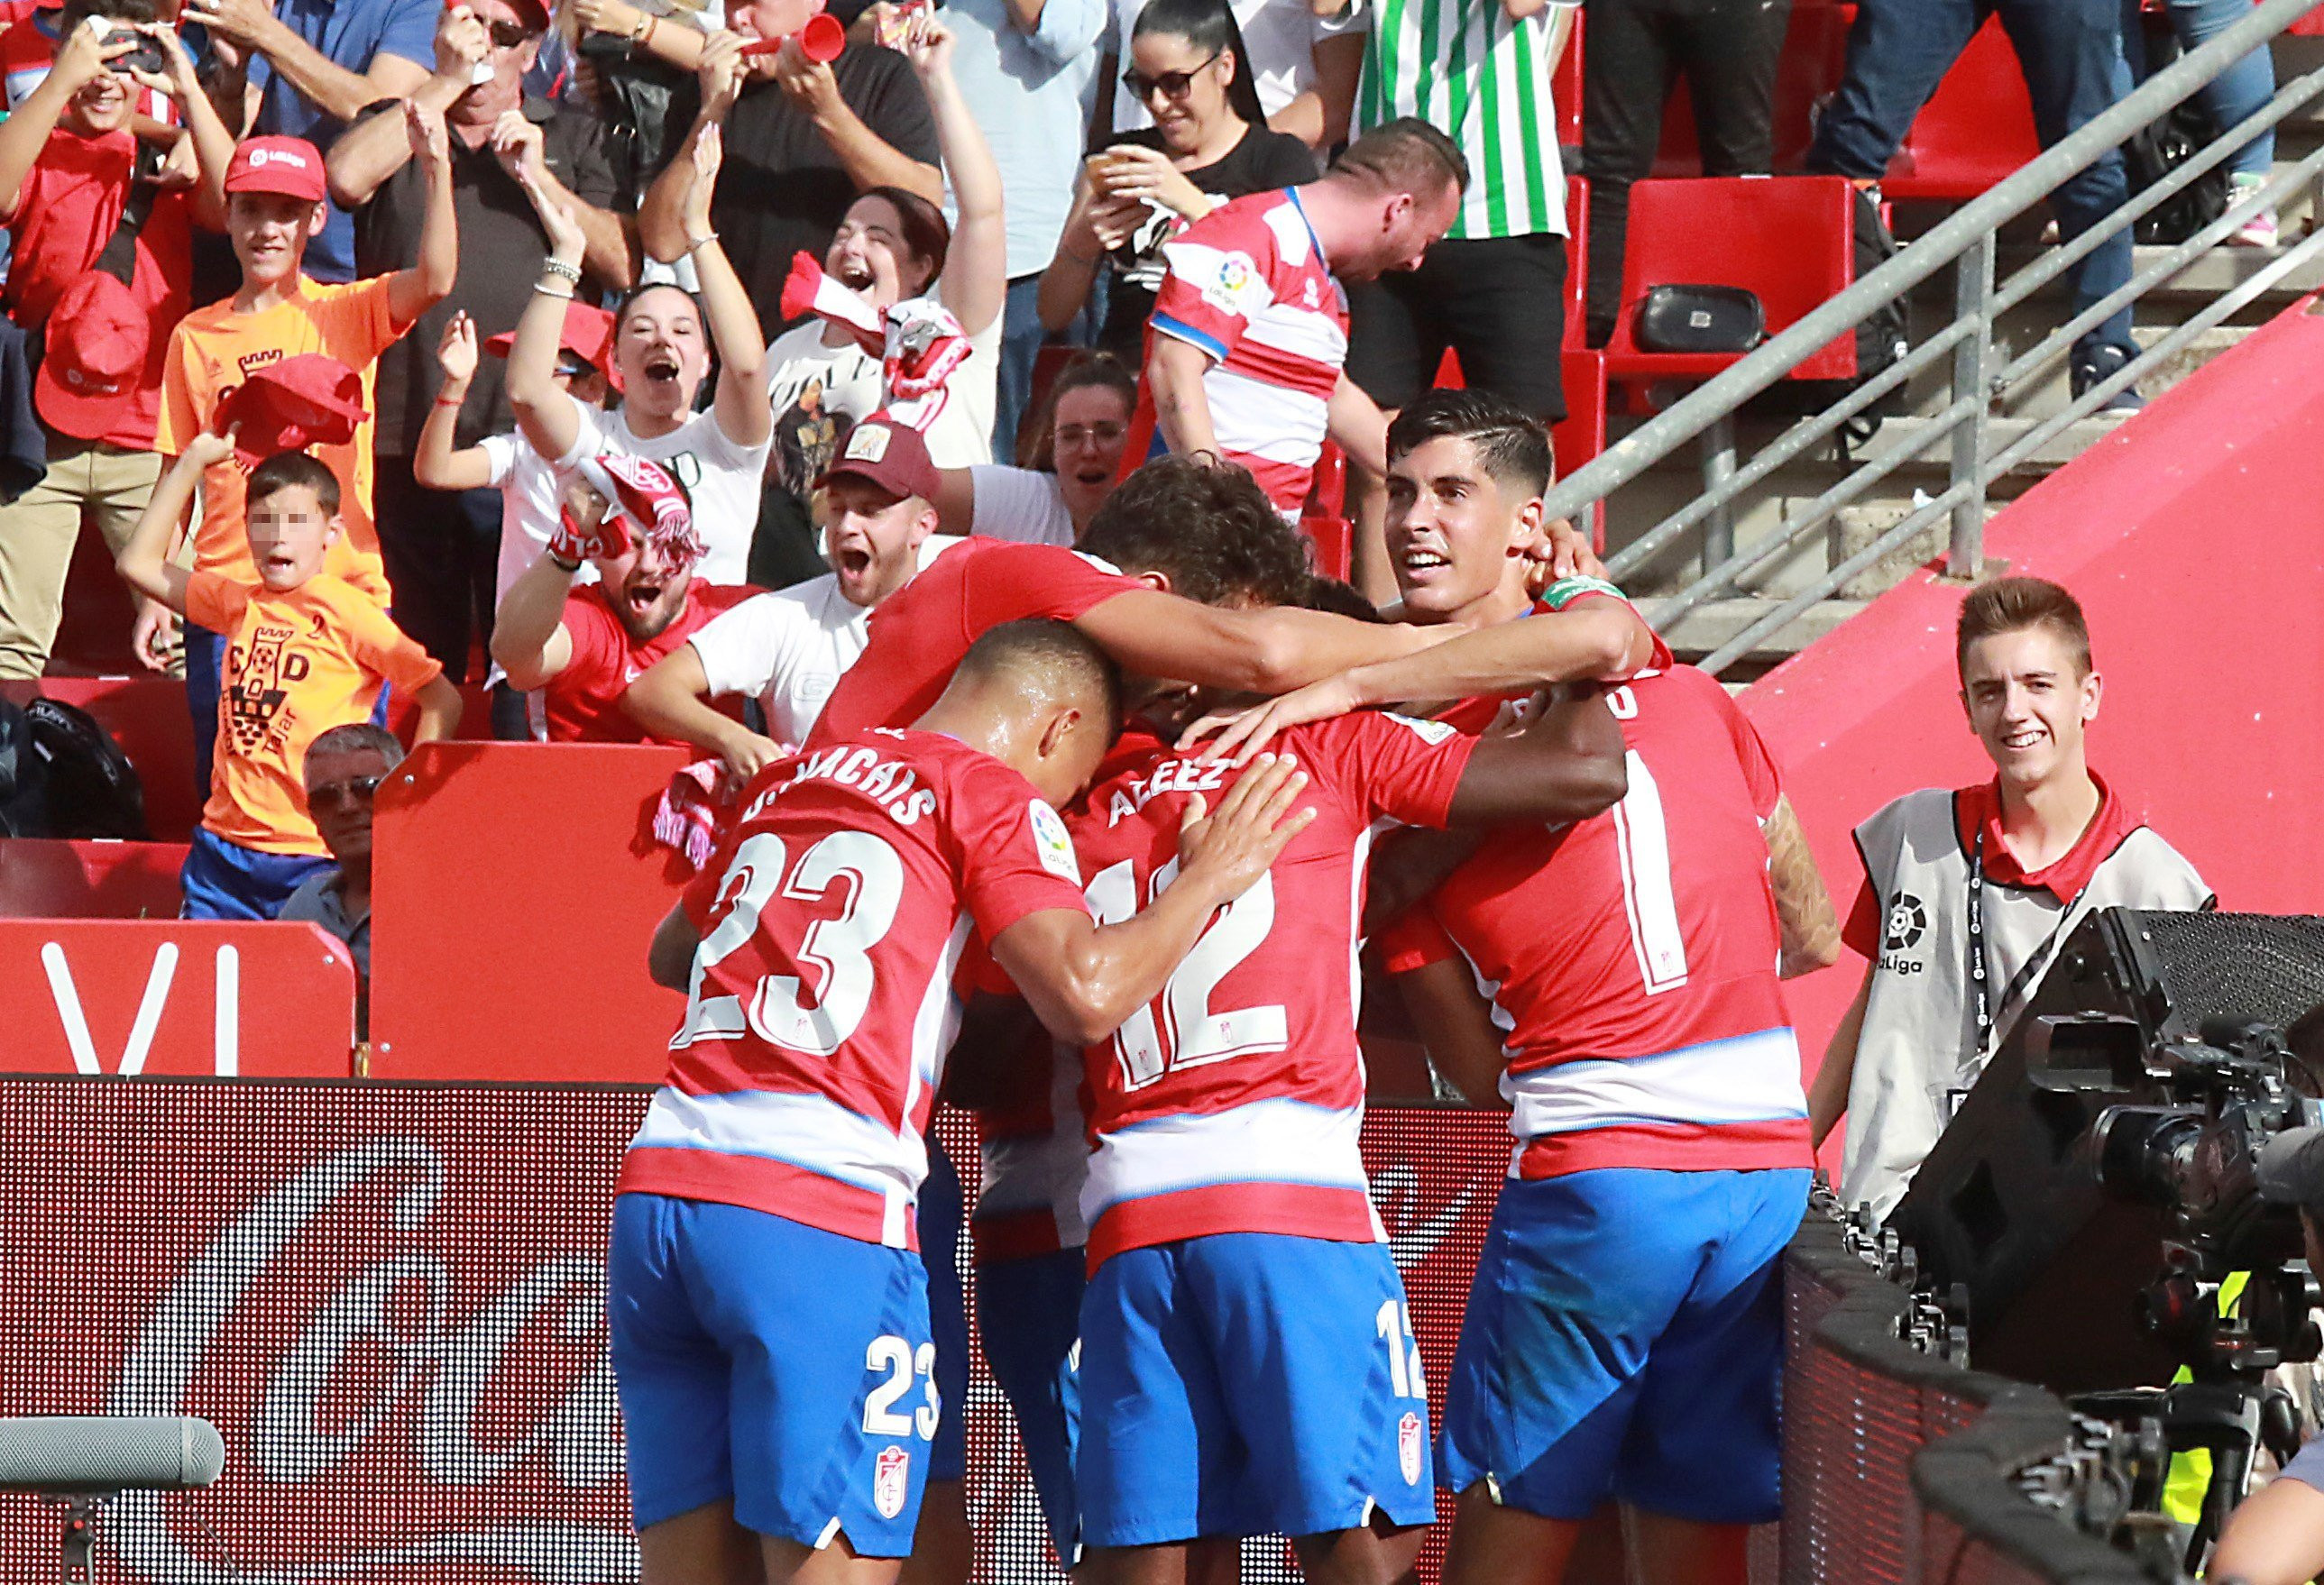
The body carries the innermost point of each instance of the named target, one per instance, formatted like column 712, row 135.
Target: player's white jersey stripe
column 1282, row 426
column 1277, row 1141
column 1749, row 1078
column 811, row 1132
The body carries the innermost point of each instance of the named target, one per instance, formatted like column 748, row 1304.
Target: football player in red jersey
column 1648, row 1059
column 1247, row 1358
column 770, row 1321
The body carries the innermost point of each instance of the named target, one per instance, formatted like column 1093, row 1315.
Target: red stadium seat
column 2311, row 27
column 1816, row 49
column 476, row 713
column 1581, row 435
column 1565, row 87
column 41, row 880
column 1977, row 129
column 1788, row 238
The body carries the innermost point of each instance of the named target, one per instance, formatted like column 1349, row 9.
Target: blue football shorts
column 1624, row 1338
column 1029, row 1313
column 939, row 1213
column 765, row 1360
column 1244, row 1383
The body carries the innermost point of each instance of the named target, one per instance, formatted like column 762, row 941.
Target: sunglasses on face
column 1170, row 84
column 359, row 790
column 507, row 35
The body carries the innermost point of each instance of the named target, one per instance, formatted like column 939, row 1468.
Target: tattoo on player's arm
column 1810, row 925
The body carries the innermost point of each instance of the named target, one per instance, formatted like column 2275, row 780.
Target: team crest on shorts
column 891, row 1474
column 1408, row 1435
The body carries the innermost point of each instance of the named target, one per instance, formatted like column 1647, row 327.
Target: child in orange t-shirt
column 274, row 196
column 305, row 651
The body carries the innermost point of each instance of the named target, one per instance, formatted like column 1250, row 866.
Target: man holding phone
column 102, row 268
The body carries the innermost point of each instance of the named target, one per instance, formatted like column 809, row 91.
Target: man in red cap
column 274, row 208
column 102, row 266
column 789, row 648
column 441, row 549
column 630, row 518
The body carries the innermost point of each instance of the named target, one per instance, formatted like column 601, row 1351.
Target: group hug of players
column 1091, row 839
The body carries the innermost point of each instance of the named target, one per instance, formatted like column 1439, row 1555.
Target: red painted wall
column 2194, row 538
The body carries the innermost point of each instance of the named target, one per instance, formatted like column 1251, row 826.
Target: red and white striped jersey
column 1631, row 957
column 822, row 1001
column 1035, row 1153
column 1249, row 284
column 1232, row 1102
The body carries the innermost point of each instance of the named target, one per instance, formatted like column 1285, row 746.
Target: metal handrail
column 1966, row 240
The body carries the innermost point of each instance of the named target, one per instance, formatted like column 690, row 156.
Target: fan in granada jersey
column 1247, row 1357
column 770, row 1321
column 1652, row 1067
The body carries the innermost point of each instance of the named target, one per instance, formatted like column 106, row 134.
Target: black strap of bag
column 119, row 259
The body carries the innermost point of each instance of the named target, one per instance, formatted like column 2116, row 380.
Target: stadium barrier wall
column 389, row 1297
column 1900, row 1466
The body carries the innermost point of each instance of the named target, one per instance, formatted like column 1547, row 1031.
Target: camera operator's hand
column 87, row 51
column 178, row 81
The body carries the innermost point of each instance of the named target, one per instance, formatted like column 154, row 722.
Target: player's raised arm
column 1084, row 978
column 1810, row 925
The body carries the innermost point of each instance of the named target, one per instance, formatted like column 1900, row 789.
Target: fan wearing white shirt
column 790, row 648
column 1076, row 463
column 663, row 354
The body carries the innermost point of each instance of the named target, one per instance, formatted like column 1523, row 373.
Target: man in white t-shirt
column 789, row 648
column 662, row 340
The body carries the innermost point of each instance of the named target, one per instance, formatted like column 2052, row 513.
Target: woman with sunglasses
column 1146, row 187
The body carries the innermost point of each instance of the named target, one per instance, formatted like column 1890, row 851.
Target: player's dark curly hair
column 1205, row 525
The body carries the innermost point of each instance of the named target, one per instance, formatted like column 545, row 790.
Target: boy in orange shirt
column 307, row 651
column 274, row 196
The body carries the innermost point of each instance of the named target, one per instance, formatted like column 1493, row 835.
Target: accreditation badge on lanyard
column 1982, row 1002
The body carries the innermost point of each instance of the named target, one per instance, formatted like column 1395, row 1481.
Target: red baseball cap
column 98, row 336
column 289, row 166
column 890, row 453
column 310, row 399
column 588, row 336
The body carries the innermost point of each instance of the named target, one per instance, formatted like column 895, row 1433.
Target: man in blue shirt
column 306, row 68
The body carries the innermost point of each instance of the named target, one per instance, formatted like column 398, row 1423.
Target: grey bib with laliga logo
column 1918, row 1045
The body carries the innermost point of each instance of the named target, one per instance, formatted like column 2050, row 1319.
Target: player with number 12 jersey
column 1248, row 1364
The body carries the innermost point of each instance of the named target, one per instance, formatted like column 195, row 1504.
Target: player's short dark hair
column 1205, row 24
column 287, row 470
column 1037, row 439
column 1509, row 444
column 130, row 11
column 2006, row 605
column 1204, row 525
column 1405, row 155
column 1340, row 599
column 1055, row 652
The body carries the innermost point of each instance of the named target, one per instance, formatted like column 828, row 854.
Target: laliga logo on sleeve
column 890, row 1478
column 1050, row 842
column 1408, row 1434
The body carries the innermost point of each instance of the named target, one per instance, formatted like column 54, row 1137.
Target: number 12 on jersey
column 1190, row 1032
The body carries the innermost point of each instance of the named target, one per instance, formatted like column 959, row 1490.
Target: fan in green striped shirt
column 1479, row 70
